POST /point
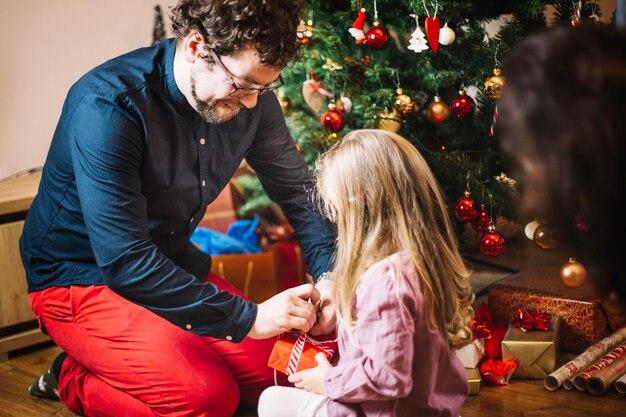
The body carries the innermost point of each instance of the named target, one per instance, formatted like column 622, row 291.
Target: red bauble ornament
column 332, row 120
column 377, row 37
column 465, row 209
column 492, row 243
column 433, row 27
column 482, row 220
column 462, row 106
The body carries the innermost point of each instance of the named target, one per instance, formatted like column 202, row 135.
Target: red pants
column 124, row 360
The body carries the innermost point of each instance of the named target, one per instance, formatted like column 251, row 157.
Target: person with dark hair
column 563, row 127
column 144, row 143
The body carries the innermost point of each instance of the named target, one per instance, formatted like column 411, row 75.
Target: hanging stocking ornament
column 446, row 35
column 432, row 27
column 357, row 27
column 314, row 94
column 377, row 37
column 462, row 106
column 465, row 209
column 332, row 120
column 492, row 243
column 418, row 41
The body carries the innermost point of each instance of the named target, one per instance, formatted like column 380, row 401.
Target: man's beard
column 217, row 112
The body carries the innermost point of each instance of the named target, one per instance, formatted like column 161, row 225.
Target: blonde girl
column 401, row 293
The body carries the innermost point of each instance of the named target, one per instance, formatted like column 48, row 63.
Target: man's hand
column 327, row 319
column 286, row 311
column 312, row 380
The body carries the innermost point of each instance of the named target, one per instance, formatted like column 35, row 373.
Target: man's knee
column 210, row 395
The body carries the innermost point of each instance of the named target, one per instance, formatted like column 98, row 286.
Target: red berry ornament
column 462, row 106
column 482, row 220
column 377, row 37
column 465, row 209
column 332, row 120
column 492, row 243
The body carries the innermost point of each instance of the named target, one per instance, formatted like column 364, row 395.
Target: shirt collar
column 177, row 97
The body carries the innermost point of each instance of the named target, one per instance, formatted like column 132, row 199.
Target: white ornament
column 347, row 104
column 446, row 35
column 418, row 42
column 530, row 228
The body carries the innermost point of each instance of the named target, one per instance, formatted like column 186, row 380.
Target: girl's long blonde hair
column 381, row 195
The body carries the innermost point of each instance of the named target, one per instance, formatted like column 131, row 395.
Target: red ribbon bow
column 480, row 330
column 532, row 320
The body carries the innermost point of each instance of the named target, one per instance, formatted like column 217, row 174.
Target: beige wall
column 46, row 45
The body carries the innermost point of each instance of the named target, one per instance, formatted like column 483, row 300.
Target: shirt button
column 188, row 327
column 203, row 183
column 229, row 337
column 202, row 141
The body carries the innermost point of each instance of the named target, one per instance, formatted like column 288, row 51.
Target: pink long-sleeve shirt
column 400, row 368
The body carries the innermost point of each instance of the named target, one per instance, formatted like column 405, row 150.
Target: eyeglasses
column 238, row 90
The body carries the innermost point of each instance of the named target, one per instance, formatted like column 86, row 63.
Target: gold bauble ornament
column 545, row 237
column 333, row 137
column 437, row 111
column 389, row 121
column 494, row 84
column 283, row 102
column 403, row 104
column 573, row 273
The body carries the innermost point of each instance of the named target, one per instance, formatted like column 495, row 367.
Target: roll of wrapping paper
column 620, row 384
column 589, row 356
column 568, row 384
column 580, row 382
column 602, row 381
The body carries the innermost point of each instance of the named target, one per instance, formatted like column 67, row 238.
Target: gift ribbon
column 532, row 320
column 298, row 347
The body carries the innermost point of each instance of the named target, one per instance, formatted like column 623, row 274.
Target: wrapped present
column 471, row 354
column 585, row 321
column 534, row 351
column 295, row 352
column 221, row 212
column 474, row 380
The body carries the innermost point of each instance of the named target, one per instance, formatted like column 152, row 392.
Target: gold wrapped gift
column 474, row 380
column 535, row 351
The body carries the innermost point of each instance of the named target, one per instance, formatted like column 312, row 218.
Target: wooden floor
column 522, row 398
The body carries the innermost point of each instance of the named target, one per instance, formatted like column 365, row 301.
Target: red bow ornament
column 532, row 320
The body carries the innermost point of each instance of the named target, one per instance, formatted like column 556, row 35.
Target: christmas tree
column 426, row 69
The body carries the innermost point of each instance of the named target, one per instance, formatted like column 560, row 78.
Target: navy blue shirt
column 129, row 174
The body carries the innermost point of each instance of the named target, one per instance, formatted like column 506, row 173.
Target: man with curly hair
column 144, row 143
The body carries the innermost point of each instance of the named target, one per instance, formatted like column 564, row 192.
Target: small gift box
column 534, row 351
column 585, row 320
column 295, row 352
column 474, row 380
column 471, row 354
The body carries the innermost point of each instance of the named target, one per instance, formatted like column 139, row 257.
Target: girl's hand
column 312, row 380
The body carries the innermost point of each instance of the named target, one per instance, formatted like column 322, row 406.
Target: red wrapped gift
column 584, row 319
column 295, row 352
